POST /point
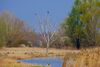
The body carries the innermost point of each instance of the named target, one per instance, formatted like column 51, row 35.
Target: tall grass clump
column 86, row 58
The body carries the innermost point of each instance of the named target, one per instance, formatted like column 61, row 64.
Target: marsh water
column 53, row 62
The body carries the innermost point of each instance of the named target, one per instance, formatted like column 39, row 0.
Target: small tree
column 47, row 31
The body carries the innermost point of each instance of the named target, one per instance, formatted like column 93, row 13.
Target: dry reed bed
column 85, row 58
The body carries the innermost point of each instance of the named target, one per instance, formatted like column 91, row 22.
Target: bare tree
column 47, row 31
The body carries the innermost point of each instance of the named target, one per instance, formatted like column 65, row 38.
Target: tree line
column 81, row 28
column 83, row 23
column 14, row 32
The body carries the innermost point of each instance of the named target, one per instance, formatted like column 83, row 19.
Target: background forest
column 81, row 28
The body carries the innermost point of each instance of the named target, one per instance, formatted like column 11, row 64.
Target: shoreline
column 11, row 55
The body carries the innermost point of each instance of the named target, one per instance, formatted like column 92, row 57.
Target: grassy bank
column 8, row 56
column 72, row 58
column 85, row 58
column 8, row 62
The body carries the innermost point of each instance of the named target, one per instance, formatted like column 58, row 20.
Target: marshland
column 51, row 33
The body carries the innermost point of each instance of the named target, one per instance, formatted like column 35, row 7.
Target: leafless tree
column 47, row 31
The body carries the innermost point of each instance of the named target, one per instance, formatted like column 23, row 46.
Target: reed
column 86, row 58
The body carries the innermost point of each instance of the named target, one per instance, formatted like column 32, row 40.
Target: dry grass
column 26, row 53
column 8, row 62
column 86, row 58
column 89, row 58
column 23, row 53
column 8, row 56
column 74, row 58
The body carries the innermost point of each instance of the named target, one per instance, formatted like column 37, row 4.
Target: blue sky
column 26, row 9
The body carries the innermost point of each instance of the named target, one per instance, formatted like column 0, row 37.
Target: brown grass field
column 72, row 58
column 8, row 56
column 24, row 53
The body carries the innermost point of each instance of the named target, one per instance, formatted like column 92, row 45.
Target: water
column 54, row 62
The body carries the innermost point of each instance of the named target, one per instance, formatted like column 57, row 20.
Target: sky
column 26, row 10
